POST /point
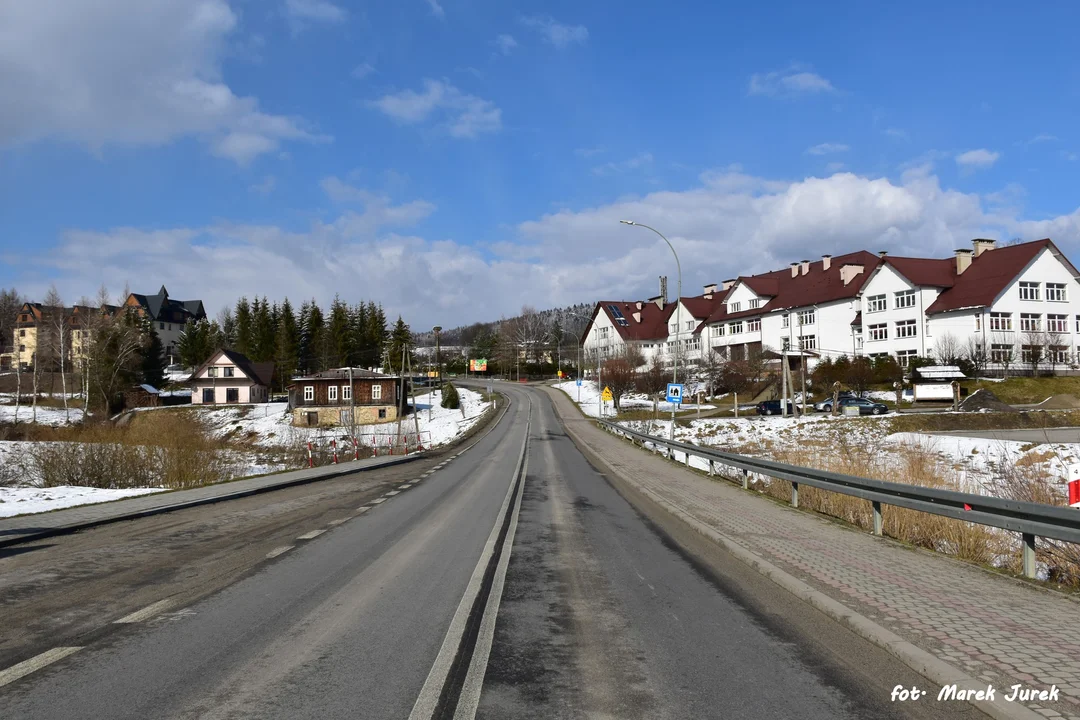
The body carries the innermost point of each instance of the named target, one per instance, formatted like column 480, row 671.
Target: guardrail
column 1029, row 519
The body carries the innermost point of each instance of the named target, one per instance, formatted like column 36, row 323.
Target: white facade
column 894, row 320
column 222, row 382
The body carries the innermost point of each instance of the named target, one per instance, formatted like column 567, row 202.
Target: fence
column 1030, row 520
column 325, row 451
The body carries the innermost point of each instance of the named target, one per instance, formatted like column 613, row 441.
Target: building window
column 22, row 333
column 734, row 307
column 875, row 303
column 978, row 323
column 904, row 357
column 785, row 343
column 808, row 342
column 208, row 396
column 1057, row 323
column 787, row 320
column 22, row 348
column 753, row 325
column 1029, row 291
column 382, row 411
column 718, row 330
column 674, row 328
column 211, row 371
column 755, row 304
column 309, row 393
column 905, row 299
column 229, row 371
column 1000, row 353
column 1031, row 353
column 806, row 317
column 689, row 324
column 907, row 328
column 376, row 392
column 879, row 332
column 1000, row 321
column 312, row 419
column 1030, row 322
column 232, row 395
column 332, row 393
column 1057, row 354
column 736, row 328
column 1055, row 292
column 603, row 332
column 346, row 392
column 161, row 326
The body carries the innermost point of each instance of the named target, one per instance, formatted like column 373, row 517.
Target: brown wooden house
column 328, row 399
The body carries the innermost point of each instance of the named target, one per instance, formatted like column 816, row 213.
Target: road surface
column 304, row 604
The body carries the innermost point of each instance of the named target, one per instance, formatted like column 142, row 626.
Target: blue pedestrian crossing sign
column 674, row 393
column 579, row 382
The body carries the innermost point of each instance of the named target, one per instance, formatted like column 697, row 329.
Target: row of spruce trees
column 308, row 341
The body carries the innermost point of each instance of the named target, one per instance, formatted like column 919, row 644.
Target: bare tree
column 947, row 350
column 620, row 373
column 976, row 354
column 1003, row 351
column 1057, row 348
column 1033, row 347
column 57, row 320
column 712, row 367
column 531, row 332
column 115, row 356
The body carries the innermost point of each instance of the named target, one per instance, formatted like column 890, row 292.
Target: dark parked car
column 826, row 404
column 866, row 407
column 772, row 407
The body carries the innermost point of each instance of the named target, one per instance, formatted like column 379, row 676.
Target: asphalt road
column 610, row 608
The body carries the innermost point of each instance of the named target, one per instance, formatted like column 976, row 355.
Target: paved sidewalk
column 995, row 629
column 23, row 528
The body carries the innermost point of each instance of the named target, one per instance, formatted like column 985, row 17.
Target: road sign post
column 675, row 393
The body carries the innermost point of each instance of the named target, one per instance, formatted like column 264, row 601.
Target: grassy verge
column 1029, row 390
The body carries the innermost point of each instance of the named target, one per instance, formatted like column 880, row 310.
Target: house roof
column 815, row 287
column 261, row 373
column 988, row 275
column 926, row 272
column 343, row 374
column 162, row 307
column 651, row 326
column 150, row 389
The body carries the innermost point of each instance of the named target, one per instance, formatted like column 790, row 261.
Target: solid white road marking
column 279, row 551
column 311, row 535
column 34, row 664
column 147, row 612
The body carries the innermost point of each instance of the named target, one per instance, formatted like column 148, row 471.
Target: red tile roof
column 817, row 286
column 988, row 275
column 925, row 272
column 653, row 323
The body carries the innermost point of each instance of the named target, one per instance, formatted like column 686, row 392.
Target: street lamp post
column 678, row 315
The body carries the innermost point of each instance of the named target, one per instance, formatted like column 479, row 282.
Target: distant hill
column 571, row 319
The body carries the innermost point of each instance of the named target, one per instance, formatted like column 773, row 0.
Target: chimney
column 849, row 271
column 659, row 300
column 663, row 290
column 963, row 260
column 794, row 269
column 637, row 314
column 982, row 245
column 710, row 288
column 826, row 262
column 728, row 283
column 805, row 266
column 882, row 253
column 640, row 304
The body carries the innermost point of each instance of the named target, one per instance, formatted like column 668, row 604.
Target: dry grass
column 1029, row 390
column 923, row 422
column 922, row 467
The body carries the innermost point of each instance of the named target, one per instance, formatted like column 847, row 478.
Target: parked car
column 866, row 407
column 772, row 407
column 826, row 404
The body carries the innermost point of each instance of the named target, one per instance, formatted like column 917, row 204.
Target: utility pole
column 802, row 363
column 352, row 408
column 438, row 365
column 783, row 383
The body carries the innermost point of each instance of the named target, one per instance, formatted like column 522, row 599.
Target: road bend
column 514, row 581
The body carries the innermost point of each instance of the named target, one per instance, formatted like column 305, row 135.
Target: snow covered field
column 27, row 500
column 589, row 396
column 45, row 415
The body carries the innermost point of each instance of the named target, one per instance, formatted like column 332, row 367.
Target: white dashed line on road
column 34, row 664
column 340, row 521
column 362, row 510
column 392, row 493
column 376, row 501
column 404, row 487
column 146, row 613
column 279, row 551
column 311, row 535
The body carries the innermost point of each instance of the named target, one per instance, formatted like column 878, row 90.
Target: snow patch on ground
column 45, row 415
column 28, row 500
column 588, row 399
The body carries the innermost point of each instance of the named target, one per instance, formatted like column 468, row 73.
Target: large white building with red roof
column 1010, row 303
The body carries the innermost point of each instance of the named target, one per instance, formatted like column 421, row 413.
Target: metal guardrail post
column 745, row 479
column 711, row 472
column 878, row 523
column 1028, row 554
column 794, row 494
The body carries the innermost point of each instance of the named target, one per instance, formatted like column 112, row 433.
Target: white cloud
column 314, row 11
column 641, row 160
column 436, row 8
column 977, row 159
column 827, row 148
column 795, row 80
column 588, row 152
column 731, row 223
column 128, row 72
column 1042, row 137
column 463, row 115
column 505, row 43
column 265, row 187
column 362, row 70
column 556, row 33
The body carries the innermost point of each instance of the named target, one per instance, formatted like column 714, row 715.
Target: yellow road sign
column 606, row 395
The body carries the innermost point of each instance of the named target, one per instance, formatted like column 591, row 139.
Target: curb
column 919, row 660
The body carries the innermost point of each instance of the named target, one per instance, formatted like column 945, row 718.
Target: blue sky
column 457, row 159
